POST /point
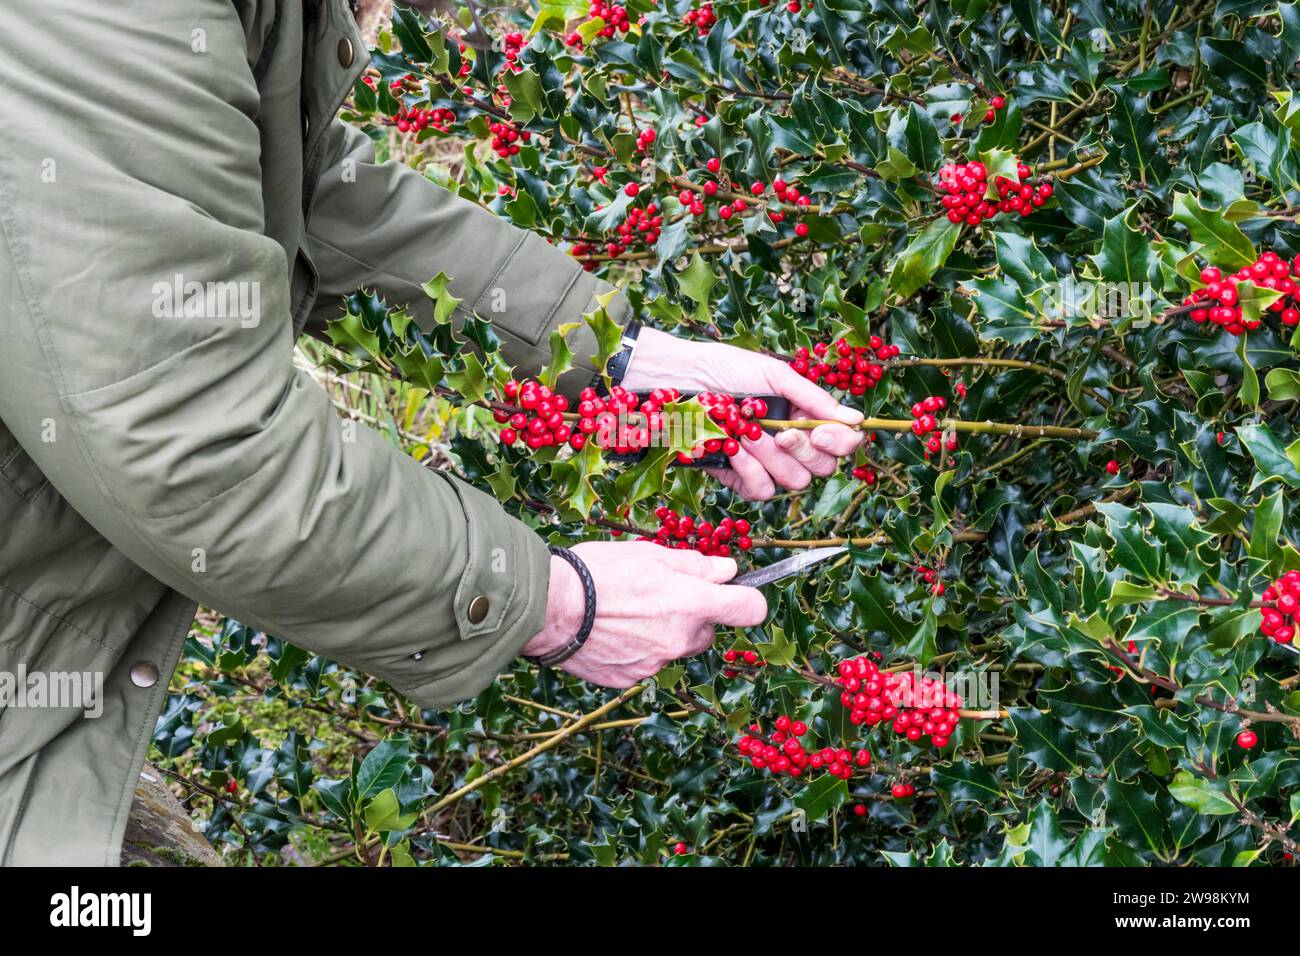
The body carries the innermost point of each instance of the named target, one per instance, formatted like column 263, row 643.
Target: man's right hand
column 653, row 605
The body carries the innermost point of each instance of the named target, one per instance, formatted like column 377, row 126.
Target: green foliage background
column 1172, row 135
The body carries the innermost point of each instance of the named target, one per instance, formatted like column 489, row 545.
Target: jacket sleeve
column 385, row 226
column 178, row 427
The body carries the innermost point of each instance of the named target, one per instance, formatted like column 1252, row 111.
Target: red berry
column 1247, row 739
column 681, row 849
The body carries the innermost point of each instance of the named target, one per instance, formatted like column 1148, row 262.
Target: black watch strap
column 616, row 368
column 588, row 616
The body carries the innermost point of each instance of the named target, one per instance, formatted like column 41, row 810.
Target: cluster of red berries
column 506, row 139
column 913, row 710
column 924, row 423
column 931, row 577
column 865, row 473
column 900, row 790
column 512, row 44
column 1281, row 604
column 693, row 202
column 1269, row 271
column 789, row 193
column 737, row 419
column 996, row 103
column 581, row 250
column 398, row 87
column 608, row 417
column 702, row 19
column 640, row 225
column 614, row 16
column 783, row 752
column 734, row 656
column 644, row 139
column 412, row 121
column 963, row 189
column 686, row 532
column 540, row 422
column 853, row 369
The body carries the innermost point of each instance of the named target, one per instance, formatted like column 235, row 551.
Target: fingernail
column 850, row 416
column 822, row 442
column 787, row 439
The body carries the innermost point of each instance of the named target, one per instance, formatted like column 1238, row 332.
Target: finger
column 691, row 562
column 784, row 470
column 732, row 605
column 812, row 398
column 701, row 640
column 798, row 445
column 837, row 440
column 754, row 481
column 727, row 477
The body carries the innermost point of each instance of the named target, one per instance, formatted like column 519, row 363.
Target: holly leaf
column 444, row 303
column 697, row 281
column 924, row 256
column 1223, row 243
column 822, row 796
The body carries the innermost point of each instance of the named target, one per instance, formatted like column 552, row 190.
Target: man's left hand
column 792, row 457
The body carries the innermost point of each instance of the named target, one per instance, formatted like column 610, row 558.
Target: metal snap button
column 346, row 52
column 144, row 674
column 477, row 610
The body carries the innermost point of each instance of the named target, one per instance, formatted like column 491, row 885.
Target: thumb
column 691, row 562
column 811, row 398
column 732, row 605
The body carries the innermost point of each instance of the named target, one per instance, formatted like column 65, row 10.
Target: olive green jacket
column 153, row 455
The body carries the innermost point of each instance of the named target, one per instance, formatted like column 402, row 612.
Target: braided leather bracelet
column 588, row 617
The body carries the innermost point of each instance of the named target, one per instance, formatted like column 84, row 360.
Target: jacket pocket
column 18, row 472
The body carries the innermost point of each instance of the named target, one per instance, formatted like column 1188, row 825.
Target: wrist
column 565, row 605
column 661, row 360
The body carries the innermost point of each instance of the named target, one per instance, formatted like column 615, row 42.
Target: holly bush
column 1050, row 250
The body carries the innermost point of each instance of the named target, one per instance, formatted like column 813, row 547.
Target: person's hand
column 789, row 459
column 653, row 605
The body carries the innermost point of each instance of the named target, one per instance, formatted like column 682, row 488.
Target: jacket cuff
column 537, row 272
column 499, row 604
